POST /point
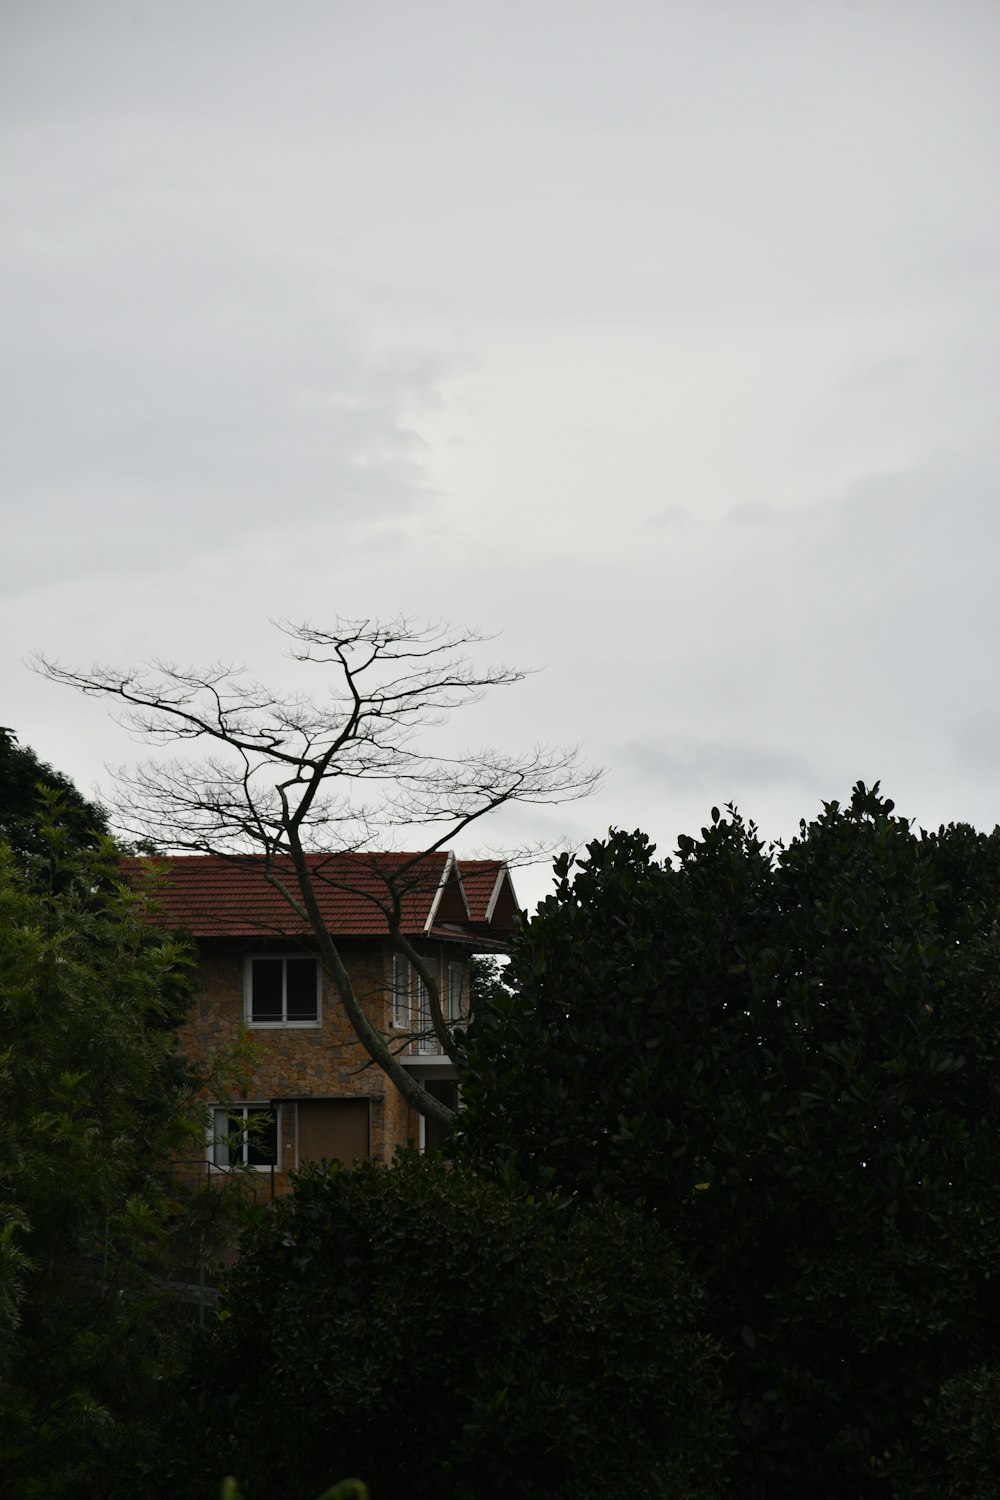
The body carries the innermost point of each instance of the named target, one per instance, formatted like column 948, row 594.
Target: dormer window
column 282, row 991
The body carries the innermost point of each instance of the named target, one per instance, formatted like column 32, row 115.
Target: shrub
column 446, row 1337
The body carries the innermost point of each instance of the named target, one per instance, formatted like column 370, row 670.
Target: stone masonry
column 300, row 1062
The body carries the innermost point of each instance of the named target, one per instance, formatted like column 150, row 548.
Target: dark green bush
column 450, row 1339
column 790, row 1059
column 347, row 1489
column 958, row 1457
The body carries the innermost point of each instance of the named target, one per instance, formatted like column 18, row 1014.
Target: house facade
column 309, row 1089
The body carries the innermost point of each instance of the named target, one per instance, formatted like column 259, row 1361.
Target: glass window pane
column 400, row 991
column 265, row 983
column 237, row 1143
column 455, row 991
column 262, row 1137
column 300, row 980
column 220, row 1137
column 428, row 1041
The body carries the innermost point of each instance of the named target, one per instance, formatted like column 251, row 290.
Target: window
column 427, row 1042
column 400, row 992
column 282, row 991
column 456, row 979
column 244, row 1135
column 433, row 1135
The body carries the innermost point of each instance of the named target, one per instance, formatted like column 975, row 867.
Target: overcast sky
column 662, row 338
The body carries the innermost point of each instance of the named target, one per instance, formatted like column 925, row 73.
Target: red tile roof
column 228, row 896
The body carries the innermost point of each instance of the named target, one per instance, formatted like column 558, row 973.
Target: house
column 312, row 1091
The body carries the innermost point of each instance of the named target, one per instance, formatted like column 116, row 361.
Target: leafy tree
column 288, row 775
column 447, row 1337
column 788, row 1057
column 488, row 980
column 93, row 1104
column 24, row 782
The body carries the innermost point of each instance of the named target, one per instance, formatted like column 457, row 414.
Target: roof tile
column 214, row 895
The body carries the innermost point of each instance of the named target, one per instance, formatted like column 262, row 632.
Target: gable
column 490, row 893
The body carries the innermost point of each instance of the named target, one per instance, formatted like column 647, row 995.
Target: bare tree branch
column 287, row 775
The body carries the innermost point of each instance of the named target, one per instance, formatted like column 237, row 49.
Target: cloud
column 673, row 517
column 725, row 769
column 172, row 383
column 140, row 429
column 883, row 374
column 977, row 745
column 758, row 513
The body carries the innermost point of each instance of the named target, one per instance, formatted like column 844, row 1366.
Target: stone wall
column 323, row 1061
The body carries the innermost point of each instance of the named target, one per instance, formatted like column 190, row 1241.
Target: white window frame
column 427, row 1041
column 456, row 989
column 284, row 1024
column 402, row 987
column 243, row 1107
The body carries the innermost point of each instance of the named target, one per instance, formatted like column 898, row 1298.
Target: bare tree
column 288, row 775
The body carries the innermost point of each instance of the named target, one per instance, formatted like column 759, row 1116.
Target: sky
column 658, row 339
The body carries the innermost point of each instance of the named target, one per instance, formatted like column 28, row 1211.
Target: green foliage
column 450, row 1339
column 965, row 1428
column 488, row 980
column 28, row 790
column 347, row 1489
column 788, row 1057
column 93, row 1093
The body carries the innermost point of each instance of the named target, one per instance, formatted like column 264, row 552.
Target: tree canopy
column 27, row 789
column 788, row 1057
column 94, row 1103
